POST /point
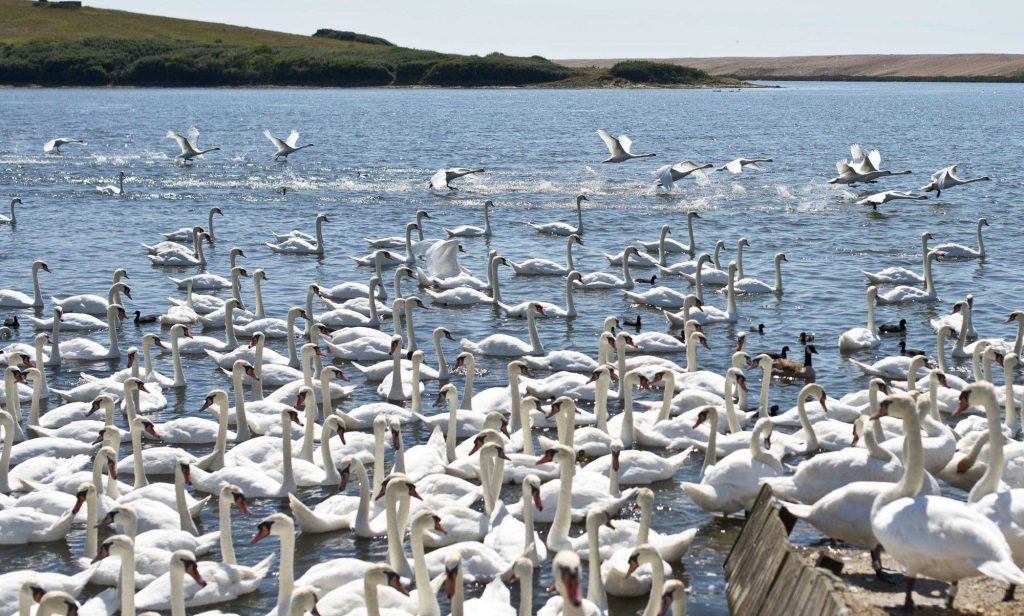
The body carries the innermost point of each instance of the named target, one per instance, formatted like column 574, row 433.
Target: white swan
column 901, row 275
column 561, row 228
column 189, row 145
column 755, row 286
column 947, row 178
column 959, row 251
column 181, row 258
column 184, row 234
column 545, row 267
column 672, row 246
column 112, row 190
column 9, row 298
column 737, row 166
column 668, row 175
column 904, row 294
column 286, row 147
column 907, row 523
column 618, row 148
column 603, row 280
column 471, row 231
column 443, row 178
column 297, row 245
column 551, row 311
column 94, row 304
column 54, row 145
column 503, row 345
column 83, row 349
column 13, row 220
column 878, row 199
column 565, row 569
column 861, row 338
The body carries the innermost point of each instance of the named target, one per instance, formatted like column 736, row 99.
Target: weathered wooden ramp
column 765, row 576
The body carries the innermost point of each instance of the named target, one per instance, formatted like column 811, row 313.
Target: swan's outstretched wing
column 687, row 166
column 193, row 138
column 293, row 138
column 626, row 143
column 875, row 199
column 438, row 180
column 277, row 142
column 734, row 166
column 614, row 147
column 938, row 175
column 875, row 158
column 951, row 172
column 843, row 167
column 459, row 172
column 182, row 142
column 856, row 153
column 49, row 145
column 752, row 165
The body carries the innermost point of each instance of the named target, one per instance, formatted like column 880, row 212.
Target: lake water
column 375, row 150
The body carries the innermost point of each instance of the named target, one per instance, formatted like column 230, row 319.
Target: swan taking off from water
column 54, row 145
column 947, row 178
column 190, row 146
column 443, row 178
column 619, row 148
column 669, row 174
column 878, row 199
column 13, row 220
column 736, row 166
column 110, row 189
column 286, row 147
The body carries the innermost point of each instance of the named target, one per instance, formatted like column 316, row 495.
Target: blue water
column 375, row 150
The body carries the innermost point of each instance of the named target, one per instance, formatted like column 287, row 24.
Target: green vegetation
column 641, row 71
column 97, row 47
column 342, row 35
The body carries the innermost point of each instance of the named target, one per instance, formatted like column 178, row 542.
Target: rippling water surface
column 376, row 148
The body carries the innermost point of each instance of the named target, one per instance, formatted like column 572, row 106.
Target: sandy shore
column 969, row 66
column 864, row 594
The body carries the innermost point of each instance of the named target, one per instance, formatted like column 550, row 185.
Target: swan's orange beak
column 537, row 502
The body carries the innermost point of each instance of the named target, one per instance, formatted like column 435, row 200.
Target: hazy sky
column 634, row 28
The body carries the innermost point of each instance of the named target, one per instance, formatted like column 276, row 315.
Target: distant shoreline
column 969, row 68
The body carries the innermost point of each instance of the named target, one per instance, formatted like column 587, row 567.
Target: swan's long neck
column 570, row 306
column 559, row 532
column 626, row 434
column 229, row 327
column 940, row 351
column 363, row 512
column 260, row 314
column 199, row 251
column 177, row 575
column 739, row 264
column 126, row 585
column 37, row 294
column 91, row 515
column 113, row 351
column 595, row 583
column 689, row 231
column 236, row 284
column 871, row 312
column 410, row 332
column 140, row 471
column 288, row 477
column 810, row 438
column 1012, row 421
column 601, row 401
column 409, row 256
column 928, row 286
column 428, row 605
column 871, row 442
column 378, row 458
column 778, row 275
column 730, row 295
column 184, row 516
column 396, row 394
column 661, row 247
column 529, row 540
column 442, row 366
column 38, row 380
column 7, row 423
column 227, row 546
column 627, row 276
column 492, row 277
column 990, row 481
column 711, row 453
column 320, row 236
column 309, row 324
column 569, row 266
column 620, row 361
column 286, row 577
column 179, row 374
column 241, row 421
column 981, row 242
column 579, row 218
column 55, row 342
column 910, row 483
column 766, row 382
column 396, row 534
column 730, row 410
column 515, row 402
column 293, row 358
column 531, row 322
column 306, row 451
column 657, row 587
column 450, row 437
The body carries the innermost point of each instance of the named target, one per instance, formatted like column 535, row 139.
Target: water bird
column 668, row 175
column 286, row 147
column 736, row 166
column 443, row 178
column 13, row 220
column 110, row 189
column 54, row 145
column 619, row 147
column 947, row 178
column 561, row 228
column 190, row 145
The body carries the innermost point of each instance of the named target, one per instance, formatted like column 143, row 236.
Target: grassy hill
column 95, row 47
